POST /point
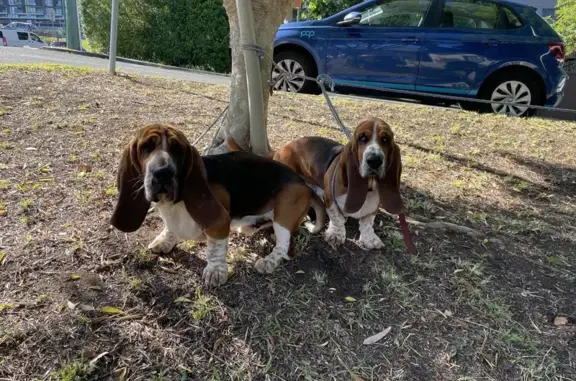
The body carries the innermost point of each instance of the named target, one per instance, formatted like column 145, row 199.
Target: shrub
column 190, row 33
column 565, row 23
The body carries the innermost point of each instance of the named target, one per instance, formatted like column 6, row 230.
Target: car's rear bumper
column 555, row 98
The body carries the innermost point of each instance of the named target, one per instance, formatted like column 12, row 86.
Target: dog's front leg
column 336, row 233
column 164, row 242
column 216, row 271
column 368, row 239
column 268, row 264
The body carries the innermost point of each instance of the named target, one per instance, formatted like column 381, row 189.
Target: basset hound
column 354, row 179
column 203, row 198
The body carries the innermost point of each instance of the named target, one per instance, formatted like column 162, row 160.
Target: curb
column 133, row 61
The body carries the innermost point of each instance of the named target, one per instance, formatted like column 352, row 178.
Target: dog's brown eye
column 176, row 150
column 384, row 139
column 148, row 147
column 363, row 139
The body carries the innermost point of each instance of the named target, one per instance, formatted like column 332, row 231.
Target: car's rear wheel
column 294, row 65
column 519, row 89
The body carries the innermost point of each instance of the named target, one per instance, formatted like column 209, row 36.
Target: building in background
column 45, row 14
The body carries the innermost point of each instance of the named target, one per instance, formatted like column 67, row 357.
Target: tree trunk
column 268, row 15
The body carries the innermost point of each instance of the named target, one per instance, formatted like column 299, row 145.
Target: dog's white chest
column 369, row 207
column 179, row 221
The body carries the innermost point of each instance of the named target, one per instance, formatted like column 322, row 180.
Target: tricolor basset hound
column 203, row 198
column 354, row 179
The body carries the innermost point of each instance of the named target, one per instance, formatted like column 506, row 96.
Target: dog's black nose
column 374, row 161
column 163, row 174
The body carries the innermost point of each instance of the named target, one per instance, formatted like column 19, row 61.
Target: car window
column 477, row 14
column 22, row 36
column 396, row 13
column 34, row 37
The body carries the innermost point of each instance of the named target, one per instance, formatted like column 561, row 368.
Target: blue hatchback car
column 487, row 49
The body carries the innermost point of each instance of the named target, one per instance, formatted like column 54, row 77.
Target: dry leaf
column 560, row 320
column 168, row 270
column 95, row 288
column 70, row 305
column 350, row 299
column 110, row 310
column 85, row 307
column 2, row 212
column 2, row 256
column 95, row 360
column 123, row 373
column 75, row 277
column 377, row 337
column 300, row 272
column 6, row 306
column 183, row 300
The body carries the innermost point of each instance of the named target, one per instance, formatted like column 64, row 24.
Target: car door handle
column 410, row 39
column 490, row 41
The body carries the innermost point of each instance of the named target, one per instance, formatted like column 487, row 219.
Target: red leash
column 406, row 234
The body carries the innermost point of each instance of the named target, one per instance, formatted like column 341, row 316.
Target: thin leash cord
column 210, row 127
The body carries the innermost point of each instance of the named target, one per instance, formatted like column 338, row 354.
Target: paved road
column 28, row 55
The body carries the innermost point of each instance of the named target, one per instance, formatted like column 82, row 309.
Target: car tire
column 510, row 87
column 294, row 63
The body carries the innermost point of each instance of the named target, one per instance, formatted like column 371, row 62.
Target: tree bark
column 268, row 15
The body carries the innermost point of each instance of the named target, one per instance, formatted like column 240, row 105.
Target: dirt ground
column 489, row 296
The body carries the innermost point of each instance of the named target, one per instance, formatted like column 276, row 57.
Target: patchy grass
column 492, row 209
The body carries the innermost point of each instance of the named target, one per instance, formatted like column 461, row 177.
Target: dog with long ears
column 354, row 179
column 202, row 198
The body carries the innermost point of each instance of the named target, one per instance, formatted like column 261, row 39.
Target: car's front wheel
column 520, row 90
column 288, row 76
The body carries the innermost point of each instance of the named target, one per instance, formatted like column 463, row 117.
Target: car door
column 383, row 49
column 470, row 37
column 23, row 39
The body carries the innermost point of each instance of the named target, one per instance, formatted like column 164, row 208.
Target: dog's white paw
column 265, row 266
column 215, row 275
column 162, row 244
column 335, row 237
column 370, row 241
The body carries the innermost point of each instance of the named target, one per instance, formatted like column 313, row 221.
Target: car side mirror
column 351, row 18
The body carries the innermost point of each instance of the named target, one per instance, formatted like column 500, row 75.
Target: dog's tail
column 317, row 204
column 234, row 147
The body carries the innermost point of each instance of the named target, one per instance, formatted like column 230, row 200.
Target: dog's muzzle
column 162, row 184
column 375, row 164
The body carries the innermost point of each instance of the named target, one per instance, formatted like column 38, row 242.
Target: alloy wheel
column 514, row 92
column 288, row 80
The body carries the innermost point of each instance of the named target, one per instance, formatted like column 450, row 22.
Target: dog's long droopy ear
column 132, row 206
column 357, row 186
column 389, row 186
column 200, row 201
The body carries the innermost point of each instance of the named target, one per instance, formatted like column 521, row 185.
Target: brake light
column 557, row 50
